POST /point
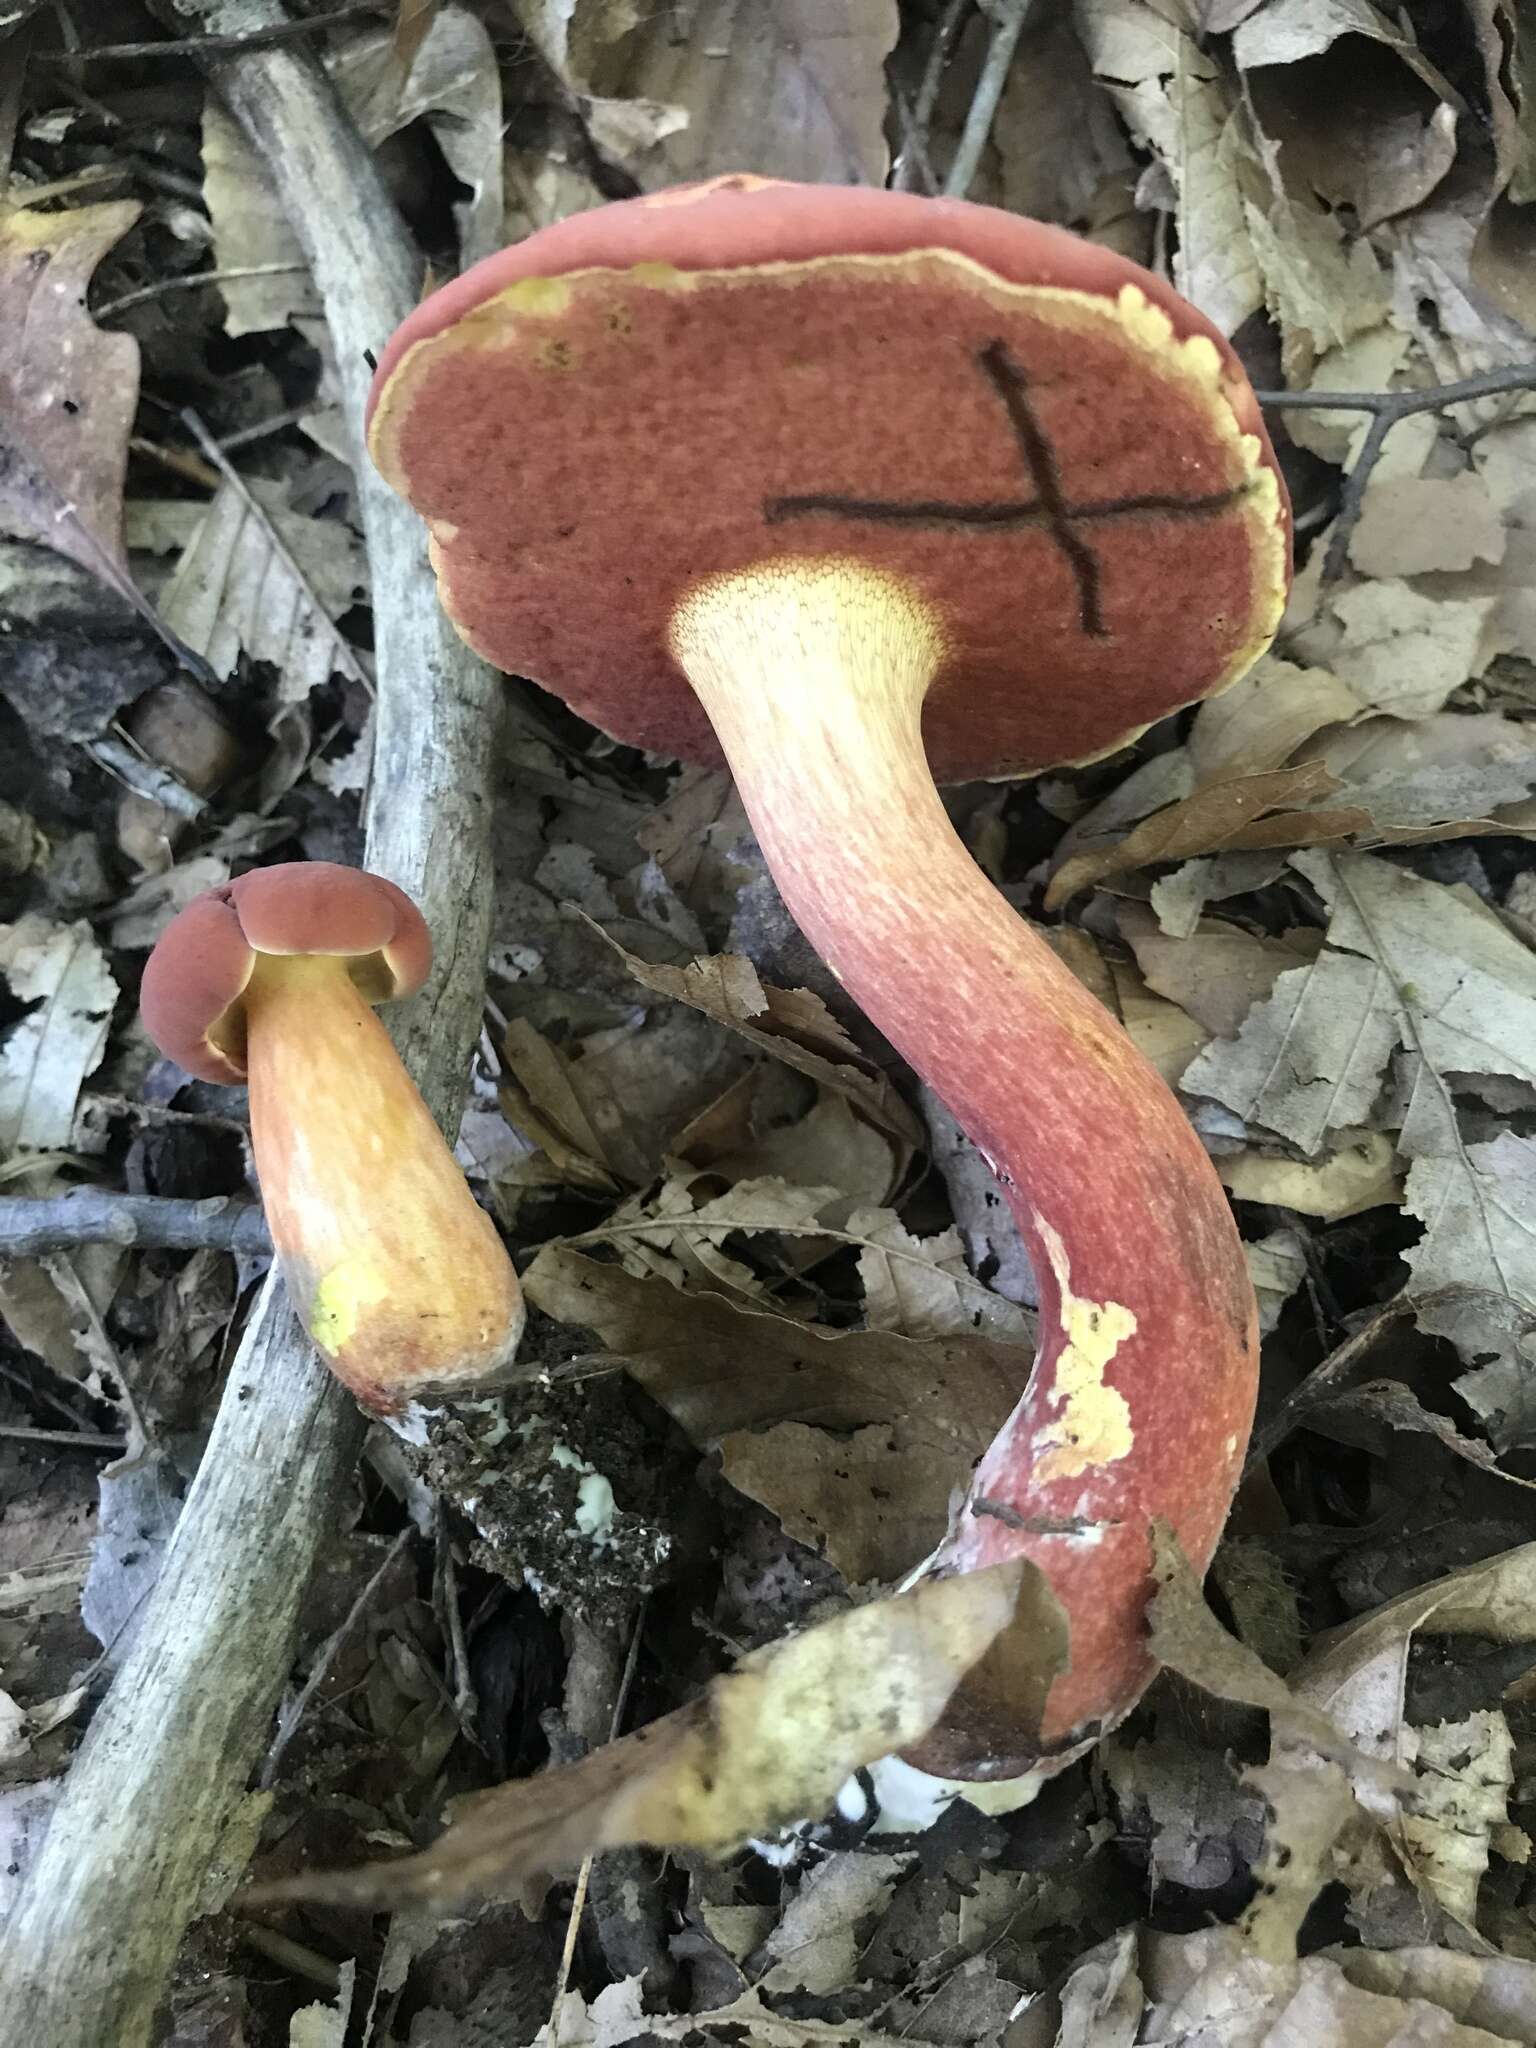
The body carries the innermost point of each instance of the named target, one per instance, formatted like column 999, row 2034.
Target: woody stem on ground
column 88, row 1949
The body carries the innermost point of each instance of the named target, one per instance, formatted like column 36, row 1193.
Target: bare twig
column 584, row 1875
column 1386, row 409
column 89, row 1944
column 149, row 1222
column 204, row 48
column 72, row 1439
column 190, row 283
column 290, row 1719
column 1007, row 27
column 913, row 164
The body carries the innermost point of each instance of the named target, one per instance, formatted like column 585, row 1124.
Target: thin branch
column 190, row 283
column 1008, row 25
column 206, row 47
column 913, row 164
column 288, row 1722
column 147, row 1222
column 1386, row 409
column 584, row 1875
column 72, row 1439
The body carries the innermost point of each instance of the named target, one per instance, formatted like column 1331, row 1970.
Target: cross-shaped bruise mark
column 1050, row 508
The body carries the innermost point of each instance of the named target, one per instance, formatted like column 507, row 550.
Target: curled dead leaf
column 768, row 1743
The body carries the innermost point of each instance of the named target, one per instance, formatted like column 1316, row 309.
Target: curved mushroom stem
column 1141, row 1398
column 395, row 1272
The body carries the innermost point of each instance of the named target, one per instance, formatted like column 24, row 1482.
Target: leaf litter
column 781, row 1308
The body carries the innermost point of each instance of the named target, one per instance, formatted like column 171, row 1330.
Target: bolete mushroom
column 814, row 479
column 401, row 1280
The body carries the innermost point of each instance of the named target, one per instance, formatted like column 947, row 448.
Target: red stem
column 1141, row 1399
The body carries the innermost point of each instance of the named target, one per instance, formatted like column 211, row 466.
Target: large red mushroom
column 859, row 490
column 397, row 1274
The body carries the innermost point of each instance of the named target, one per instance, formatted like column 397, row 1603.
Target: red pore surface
column 797, row 381
column 198, row 971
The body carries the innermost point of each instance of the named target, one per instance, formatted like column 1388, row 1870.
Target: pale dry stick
column 158, row 290
column 54, row 1223
column 912, row 165
column 89, row 1946
column 584, row 1875
column 1007, row 27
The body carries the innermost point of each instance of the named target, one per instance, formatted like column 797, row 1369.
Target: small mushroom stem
column 395, row 1272
column 1141, row 1398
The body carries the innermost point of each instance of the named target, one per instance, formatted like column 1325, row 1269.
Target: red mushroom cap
column 195, row 977
column 1042, row 438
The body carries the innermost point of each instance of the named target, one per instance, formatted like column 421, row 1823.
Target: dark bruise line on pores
column 1011, row 385
column 1049, row 509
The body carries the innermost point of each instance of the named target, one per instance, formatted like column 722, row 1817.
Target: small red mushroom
column 400, row 1279
column 821, row 480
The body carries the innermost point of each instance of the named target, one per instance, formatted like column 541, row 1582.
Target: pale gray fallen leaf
column 1405, row 652
column 785, row 88
column 1451, row 769
column 1312, row 1057
column 923, row 1286
column 1478, row 1207
column 993, row 1245
column 260, row 579
column 1467, row 985
column 816, row 1946
column 1177, row 102
column 1410, row 525
column 1220, row 970
column 1277, row 1265
column 1265, row 717
column 1493, row 1991
column 60, row 974
column 1209, row 1990
column 1466, row 1773
column 1179, row 899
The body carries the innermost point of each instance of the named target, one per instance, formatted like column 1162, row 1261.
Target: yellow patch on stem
column 341, row 1301
column 1094, row 1424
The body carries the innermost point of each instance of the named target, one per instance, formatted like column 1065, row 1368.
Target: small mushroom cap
column 1043, row 439
column 190, row 999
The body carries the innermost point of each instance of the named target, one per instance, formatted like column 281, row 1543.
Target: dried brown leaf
column 543, row 1098
column 1241, row 811
column 792, row 1024
column 1200, row 1987
column 873, row 1503
column 716, row 1367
